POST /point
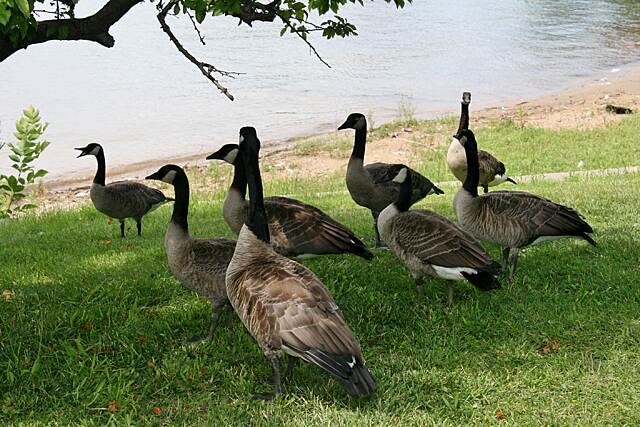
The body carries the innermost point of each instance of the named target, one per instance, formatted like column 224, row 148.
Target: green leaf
column 24, row 7
column 5, row 14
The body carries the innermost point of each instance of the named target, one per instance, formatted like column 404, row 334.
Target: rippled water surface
column 143, row 100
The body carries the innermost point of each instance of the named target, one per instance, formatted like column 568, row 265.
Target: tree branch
column 93, row 28
column 205, row 68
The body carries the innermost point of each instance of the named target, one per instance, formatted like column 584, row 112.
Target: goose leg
column 230, row 313
column 419, row 289
column 379, row 243
column 122, row 228
column 291, row 363
column 139, row 225
column 505, row 258
column 216, row 308
column 277, row 387
column 514, row 262
column 450, row 293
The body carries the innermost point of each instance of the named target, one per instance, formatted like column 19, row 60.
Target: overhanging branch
column 93, row 28
column 206, row 69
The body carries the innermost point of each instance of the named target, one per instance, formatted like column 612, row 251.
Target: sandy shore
column 580, row 107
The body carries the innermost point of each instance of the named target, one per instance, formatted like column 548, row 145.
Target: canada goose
column 121, row 199
column 432, row 246
column 199, row 264
column 296, row 228
column 372, row 186
column 512, row 219
column 284, row 305
column 492, row 171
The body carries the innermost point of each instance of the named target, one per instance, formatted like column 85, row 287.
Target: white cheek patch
column 360, row 123
column 95, row 151
column 169, row 177
column 231, row 156
column 401, row 177
column 241, row 138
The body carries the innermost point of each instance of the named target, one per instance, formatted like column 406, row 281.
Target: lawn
column 94, row 319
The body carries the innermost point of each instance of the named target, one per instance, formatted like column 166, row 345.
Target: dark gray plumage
column 296, row 228
column 512, row 219
column 121, row 199
column 284, row 306
column 372, row 186
column 199, row 264
column 430, row 245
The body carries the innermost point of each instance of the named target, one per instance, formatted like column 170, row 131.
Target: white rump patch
column 547, row 239
column 497, row 180
column 401, row 177
column 360, row 123
column 453, row 273
column 353, row 362
column 169, row 177
column 231, row 156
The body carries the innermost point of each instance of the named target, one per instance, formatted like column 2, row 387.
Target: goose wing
column 383, row 174
column 489, row 165
column 305, row 229
column 134, row 198
column 288, row 307
column 212, row 255
column 435, row 240
column 536, row 216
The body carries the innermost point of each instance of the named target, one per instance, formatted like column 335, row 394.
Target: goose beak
column 153, row 176
column 213, row 156
column 82, row 153
column 345, row 125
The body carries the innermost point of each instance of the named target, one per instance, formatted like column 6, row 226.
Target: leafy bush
column 23, row 153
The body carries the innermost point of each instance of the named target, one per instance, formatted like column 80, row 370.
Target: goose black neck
column 359, row 144
column 464, row 117
column 473, row 166
column 404, row 198
column 100, row 173
column 257, row 218
column 239, row 177
column 181, row 204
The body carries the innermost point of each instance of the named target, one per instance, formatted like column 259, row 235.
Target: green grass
column 94, row 321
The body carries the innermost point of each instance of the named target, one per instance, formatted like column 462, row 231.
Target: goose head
column 90, row 150
column 228, row 153
column 466, row 98
column 355, row 121
column 463, row 137
column 168, row 174
column 249, row 140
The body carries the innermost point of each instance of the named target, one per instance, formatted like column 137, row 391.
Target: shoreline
column 568, row 108
column 579, row 107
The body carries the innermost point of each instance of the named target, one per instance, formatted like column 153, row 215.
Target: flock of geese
column 284, row 305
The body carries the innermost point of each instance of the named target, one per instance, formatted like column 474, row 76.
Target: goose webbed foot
column 195, row 339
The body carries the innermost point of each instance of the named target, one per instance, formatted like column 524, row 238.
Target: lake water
column 143, row 100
